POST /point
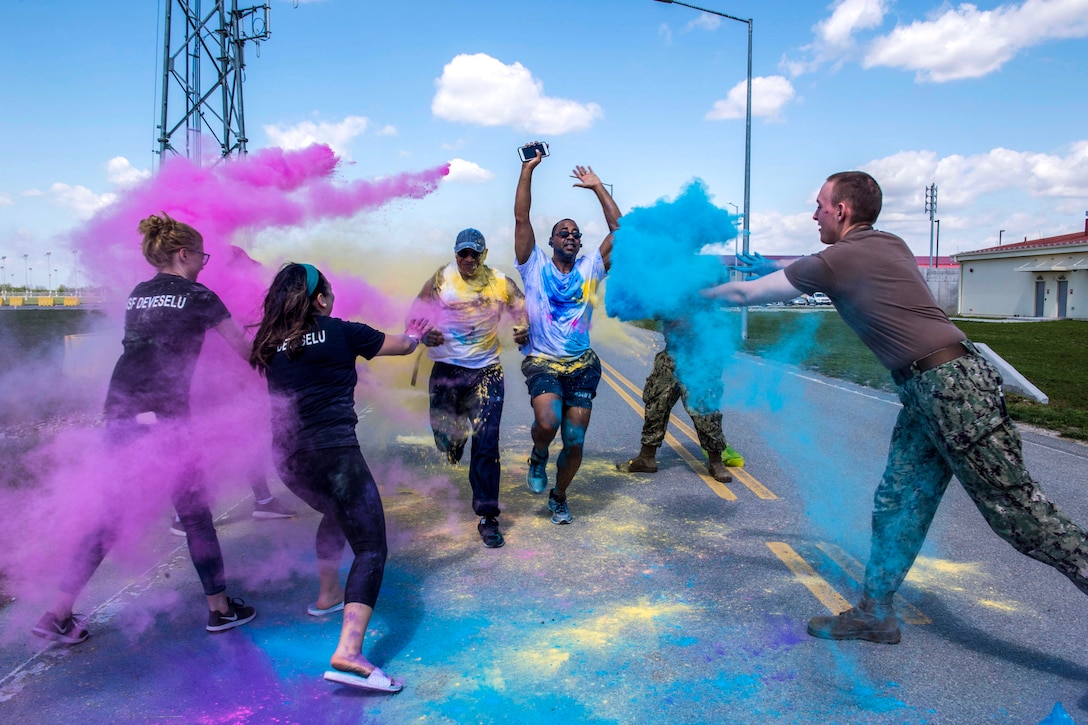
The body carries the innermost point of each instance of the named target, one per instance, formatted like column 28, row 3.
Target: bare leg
column 575, row 422
column 328, row 578
column 547, row 414
column 348, row 656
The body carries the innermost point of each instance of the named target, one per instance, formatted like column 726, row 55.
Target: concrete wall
column 944, row 283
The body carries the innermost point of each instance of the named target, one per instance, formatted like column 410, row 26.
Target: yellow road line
column 740, row 474
column 808, row 576
column 906, row 611
column 718, row 488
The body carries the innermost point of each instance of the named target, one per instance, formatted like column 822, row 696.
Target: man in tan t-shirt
column 953, row 420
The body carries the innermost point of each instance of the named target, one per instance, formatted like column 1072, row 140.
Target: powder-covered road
column 666, row 601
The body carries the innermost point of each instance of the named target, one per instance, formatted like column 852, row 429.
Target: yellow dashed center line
column 808, row 576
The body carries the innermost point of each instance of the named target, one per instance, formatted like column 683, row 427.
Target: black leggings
column 337, row 483
column 126, row 438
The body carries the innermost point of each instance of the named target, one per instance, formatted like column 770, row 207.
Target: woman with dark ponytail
column 309, row 359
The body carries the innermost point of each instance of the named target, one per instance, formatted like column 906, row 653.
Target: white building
column 1043, row 278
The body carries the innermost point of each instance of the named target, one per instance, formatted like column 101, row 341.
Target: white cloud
column 121, row 172
column 386, row 131
column 483, row 91
column 834, row 39
column 965, row 42
column 769, row 95
column 337, row 136
column 665, row 32
column 468, row 172
column 963, row 180
column 80, row 199
column 6, row 200
column 705, row 21
column 32, row 192
column 849, row 16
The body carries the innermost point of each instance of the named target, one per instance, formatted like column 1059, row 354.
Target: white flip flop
column 376, row 681
column 313, row 611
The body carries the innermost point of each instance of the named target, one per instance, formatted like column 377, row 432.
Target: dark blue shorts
column 575, row 382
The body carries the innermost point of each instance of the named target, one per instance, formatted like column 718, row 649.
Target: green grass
column 1052, row 355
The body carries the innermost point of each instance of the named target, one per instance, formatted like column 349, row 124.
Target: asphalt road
column 670, row 599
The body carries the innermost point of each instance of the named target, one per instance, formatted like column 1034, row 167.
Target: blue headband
column 312, row 277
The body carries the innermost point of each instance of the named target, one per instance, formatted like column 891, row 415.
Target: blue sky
column 985, row 100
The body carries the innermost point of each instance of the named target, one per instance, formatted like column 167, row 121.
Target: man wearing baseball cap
column 467, row 299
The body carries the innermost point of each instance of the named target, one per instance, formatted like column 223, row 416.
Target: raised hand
column 586, row 178
column 755, row 264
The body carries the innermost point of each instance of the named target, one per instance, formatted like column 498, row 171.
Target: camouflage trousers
column 660, row 394
column 953, row 422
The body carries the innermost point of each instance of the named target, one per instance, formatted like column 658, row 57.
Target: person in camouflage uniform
column 953, row 420
column 660, row 393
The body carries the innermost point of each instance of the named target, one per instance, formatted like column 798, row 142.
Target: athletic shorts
column 574, row 381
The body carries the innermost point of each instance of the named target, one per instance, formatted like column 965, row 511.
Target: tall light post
column 3, row 272
column 1000, row 233
column 747, row 144
column 49, row 271
column 26, row 274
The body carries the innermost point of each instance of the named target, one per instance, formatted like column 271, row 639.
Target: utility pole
column 199, row 45
column 931, row 209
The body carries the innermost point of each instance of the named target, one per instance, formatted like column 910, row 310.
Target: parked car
column 797, row 301
column 819, row 298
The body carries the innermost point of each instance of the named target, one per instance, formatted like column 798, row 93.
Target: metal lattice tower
column 201, row 46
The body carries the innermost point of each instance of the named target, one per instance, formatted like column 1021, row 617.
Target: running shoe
column 67, row 631
column 271, row 510
column 560, row 510
column 538, row 473
column 236, row 615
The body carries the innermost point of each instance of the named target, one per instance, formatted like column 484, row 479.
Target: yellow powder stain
column 1003, row 606
column 959, row 577
column 545, row 660
column 608, row 628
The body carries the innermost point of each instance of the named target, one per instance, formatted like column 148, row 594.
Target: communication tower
column 203, row 67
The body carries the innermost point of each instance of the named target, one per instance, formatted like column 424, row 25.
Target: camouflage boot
column 716, row 467
column 644, row 462
column 869, row 621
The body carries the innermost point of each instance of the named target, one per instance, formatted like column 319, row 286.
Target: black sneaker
column 237, row 615
column 490, row 533
column 68, row 631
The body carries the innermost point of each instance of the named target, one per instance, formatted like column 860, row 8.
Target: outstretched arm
column 423, row 306
column 524, row 238
column 234, row 337
column 774, row 287
column 406, row 343
column 589, row 180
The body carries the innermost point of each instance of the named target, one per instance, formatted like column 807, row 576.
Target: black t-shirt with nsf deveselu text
column 313, row 395
column 166, row 319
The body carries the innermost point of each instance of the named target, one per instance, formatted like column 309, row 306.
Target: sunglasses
column 466, row 253
column 563, row 233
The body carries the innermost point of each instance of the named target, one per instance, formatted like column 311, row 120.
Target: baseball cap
column 469, row 239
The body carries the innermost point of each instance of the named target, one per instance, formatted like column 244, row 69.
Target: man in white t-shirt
column 561, row 370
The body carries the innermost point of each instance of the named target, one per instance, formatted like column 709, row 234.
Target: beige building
column 1043, row 278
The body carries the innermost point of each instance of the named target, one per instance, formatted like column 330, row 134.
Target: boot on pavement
column 869, row 621
column 644, row 462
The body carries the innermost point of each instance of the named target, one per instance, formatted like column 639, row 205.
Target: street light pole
column 745, row 232
column 26, row 274
column 1000, row 234
column 49, row 270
